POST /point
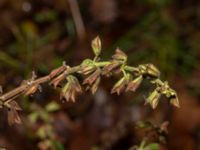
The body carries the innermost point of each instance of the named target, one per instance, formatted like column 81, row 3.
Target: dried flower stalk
column 92, row 71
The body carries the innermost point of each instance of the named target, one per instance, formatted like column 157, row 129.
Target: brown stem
column 34, row 83
column 19, row 90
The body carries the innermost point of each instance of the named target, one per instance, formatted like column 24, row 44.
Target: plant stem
column 102, row 63
column 130, row 68
column 19, row 90
column 23, row 87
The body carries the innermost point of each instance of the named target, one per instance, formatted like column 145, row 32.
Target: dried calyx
column 91, row 71
column 71, row 89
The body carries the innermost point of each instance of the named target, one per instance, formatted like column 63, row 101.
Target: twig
column 19, row 90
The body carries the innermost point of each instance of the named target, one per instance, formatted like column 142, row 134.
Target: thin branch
column 19, row 90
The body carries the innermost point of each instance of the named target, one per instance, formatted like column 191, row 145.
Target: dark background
column 39, row 34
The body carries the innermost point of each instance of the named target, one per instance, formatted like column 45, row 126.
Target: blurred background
column 39, row 34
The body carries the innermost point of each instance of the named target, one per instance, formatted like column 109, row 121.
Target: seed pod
column 110, row 67
column 74, row 83
column 152, row 71
column 71, row 89
column 153, row 98
column 95, row 86
column 57, row 71
column 142, row 69
column 87, row 70
column 119, row 55
column 69, row 95
column 91, row 78
column 56, row 81
column 96, row 46
column 121, row 84
column 174, row 101
column 64, row 91
column 148, row 70
column 134, row 84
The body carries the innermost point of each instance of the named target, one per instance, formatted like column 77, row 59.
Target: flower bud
column 96, row 46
